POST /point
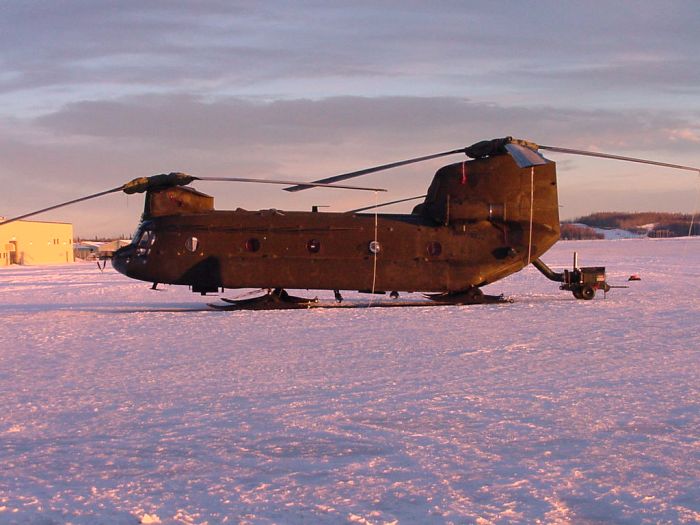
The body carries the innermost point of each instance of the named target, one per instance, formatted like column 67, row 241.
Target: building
column 35, row 242
column 108, row 248
column 86, row 250
column 91, row 250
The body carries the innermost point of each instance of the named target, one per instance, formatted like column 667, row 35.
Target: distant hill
column 578, row 232
column 650, row 224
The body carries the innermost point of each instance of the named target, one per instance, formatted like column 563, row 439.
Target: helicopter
column 480, row 221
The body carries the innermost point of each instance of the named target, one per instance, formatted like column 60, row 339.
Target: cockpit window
column 144, row 242
column 143, row 226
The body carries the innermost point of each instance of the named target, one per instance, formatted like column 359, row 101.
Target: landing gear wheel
column 394, row 295
column 577, row 294
column 587, row 293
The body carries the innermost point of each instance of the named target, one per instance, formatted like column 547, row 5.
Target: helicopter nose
column 121, row 258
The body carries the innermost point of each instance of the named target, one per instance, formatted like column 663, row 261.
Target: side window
column 191, row 244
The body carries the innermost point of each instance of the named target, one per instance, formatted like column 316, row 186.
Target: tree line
column 649, row 223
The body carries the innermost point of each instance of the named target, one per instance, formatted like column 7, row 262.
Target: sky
column 93, row 94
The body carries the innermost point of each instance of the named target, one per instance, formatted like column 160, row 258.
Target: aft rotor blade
column 523, row 156
column 367, row 171
column 618, row 157
column 385, row 204
column 317, row 184
column 74, row 201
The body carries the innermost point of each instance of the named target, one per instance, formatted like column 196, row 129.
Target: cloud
column 90, row 146
column 94, row 94
column 451, row 48
column 686, row 135
column 189, row 121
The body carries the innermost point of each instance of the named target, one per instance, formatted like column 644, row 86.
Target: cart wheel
column 587, row 293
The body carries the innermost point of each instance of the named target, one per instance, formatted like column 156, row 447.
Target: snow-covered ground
column 119, row 404
column 615, row 233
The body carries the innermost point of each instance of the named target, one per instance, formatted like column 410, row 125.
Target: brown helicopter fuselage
column 482, row 220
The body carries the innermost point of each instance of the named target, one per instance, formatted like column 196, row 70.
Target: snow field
column 119, row 404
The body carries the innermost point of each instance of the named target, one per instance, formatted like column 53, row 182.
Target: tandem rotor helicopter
column 480, row 221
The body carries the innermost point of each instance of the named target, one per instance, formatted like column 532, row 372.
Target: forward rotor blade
column 619, row 157
column 288, row 182
column 74, row 201
column 367, row 171
column 385, row 204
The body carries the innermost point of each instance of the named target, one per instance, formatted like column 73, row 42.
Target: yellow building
column 34, row 242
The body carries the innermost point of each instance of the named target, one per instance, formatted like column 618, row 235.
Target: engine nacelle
column 493, row 189
column 176, row 200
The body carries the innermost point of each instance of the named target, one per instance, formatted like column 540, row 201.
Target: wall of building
column 34, row 242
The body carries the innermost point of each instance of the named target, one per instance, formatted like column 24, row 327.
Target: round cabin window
column 314, row 246
column 375, row 247
column 434, row 248
column 252, row 245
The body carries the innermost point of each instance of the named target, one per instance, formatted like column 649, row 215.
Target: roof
column 39, row 222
